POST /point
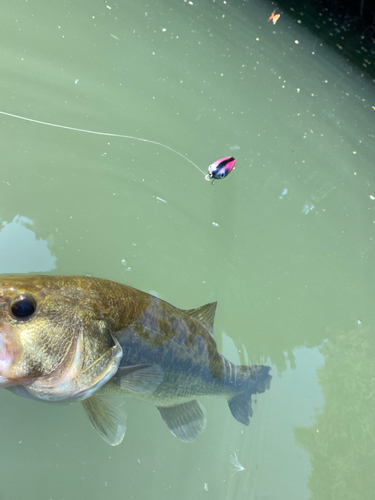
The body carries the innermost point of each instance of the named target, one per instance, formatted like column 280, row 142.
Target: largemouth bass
column 76, row 338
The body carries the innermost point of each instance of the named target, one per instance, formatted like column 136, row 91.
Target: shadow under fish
column 75, row 338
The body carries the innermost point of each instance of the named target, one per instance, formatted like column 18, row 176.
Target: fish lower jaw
column 5, row 382
column 66, row 390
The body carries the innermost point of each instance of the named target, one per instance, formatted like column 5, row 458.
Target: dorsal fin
column 205, row 315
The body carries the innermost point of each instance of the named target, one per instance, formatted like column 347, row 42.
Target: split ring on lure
column 219, row 169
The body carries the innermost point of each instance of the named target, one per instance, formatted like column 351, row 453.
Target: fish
column 78, row 338
column 219, row 169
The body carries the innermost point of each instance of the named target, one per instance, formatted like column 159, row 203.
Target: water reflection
column 294, row 398
column 342, row 440
column 20, row 249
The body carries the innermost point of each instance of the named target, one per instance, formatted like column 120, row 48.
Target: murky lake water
column 285, row 243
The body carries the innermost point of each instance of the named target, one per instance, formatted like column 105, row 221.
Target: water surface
column 285, row 243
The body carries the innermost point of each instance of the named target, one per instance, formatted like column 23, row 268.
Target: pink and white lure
column 219, row 169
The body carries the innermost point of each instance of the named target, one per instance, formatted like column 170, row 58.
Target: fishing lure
column 217, row 170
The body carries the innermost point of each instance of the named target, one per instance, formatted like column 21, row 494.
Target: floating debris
column 238, row 467
column 274, row 17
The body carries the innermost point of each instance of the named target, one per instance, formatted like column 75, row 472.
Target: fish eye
column 23, row 307
column 222, row 174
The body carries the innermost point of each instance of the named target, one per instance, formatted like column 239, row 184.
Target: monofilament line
column 105, row 134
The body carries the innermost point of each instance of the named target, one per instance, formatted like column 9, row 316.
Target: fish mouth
column 6, row 357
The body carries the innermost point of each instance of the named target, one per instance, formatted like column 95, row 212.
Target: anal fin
column 185, row 421
column 107, row 416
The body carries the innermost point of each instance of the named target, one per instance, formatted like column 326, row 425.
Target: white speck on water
column 19, row 442
column 161, row 199
column 76, row 81
column 283, row 193
column 139, row 461
column 123, row 262
column 359, row 322
column 307, row 208
column 205, row 487
column 215, row 224
column 372, row 197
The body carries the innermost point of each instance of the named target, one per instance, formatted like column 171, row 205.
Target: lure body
column 219, row 169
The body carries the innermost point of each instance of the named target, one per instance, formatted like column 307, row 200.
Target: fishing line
column 106, row 134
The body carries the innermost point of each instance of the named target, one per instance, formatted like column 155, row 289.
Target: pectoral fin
column 185, row 421
column 139, row 379
column 107, row 416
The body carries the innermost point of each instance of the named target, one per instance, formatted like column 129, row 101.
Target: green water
column 285, row 243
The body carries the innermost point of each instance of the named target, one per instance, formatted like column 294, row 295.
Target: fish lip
column 6, row 357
